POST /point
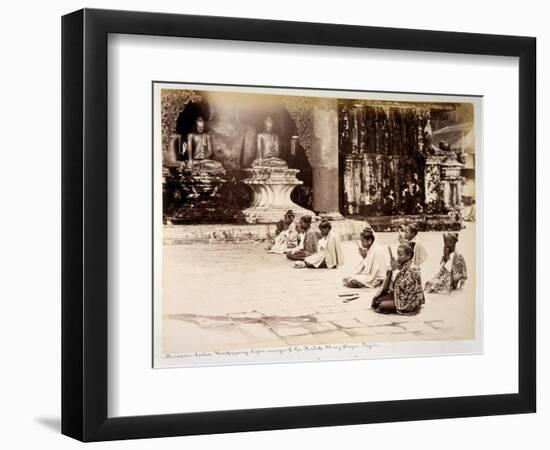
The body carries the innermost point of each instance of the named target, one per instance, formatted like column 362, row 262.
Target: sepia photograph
column 306, row 225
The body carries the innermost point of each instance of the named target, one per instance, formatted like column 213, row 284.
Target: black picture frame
column 84, row 224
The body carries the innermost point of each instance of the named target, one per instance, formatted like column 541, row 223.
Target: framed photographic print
column 253, row 209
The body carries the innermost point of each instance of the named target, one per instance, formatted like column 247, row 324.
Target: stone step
column 231, row 233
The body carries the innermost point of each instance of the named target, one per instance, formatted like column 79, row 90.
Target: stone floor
column 231, row 296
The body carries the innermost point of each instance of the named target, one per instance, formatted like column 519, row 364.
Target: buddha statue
column 268, row 148
column 199, row 147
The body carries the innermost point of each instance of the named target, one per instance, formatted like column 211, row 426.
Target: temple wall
column 383, row 149
column 353, row 157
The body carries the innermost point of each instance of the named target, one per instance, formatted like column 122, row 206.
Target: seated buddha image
column 199, row 147
column 268, row 148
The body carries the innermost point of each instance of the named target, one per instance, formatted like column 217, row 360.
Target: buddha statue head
column 199, row 125
column 268, row 124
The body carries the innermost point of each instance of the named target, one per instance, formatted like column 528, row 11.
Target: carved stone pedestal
column 451, row 178
column 194, row 196
column 271, row 188
column 443, row 185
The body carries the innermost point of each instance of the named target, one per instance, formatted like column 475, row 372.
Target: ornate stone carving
column 451, row 177
column 443, row 184
column 195, row 196
column 271, row 188
column 172, row 103
column 384, row 147
column 432, row 186
column 301, row 111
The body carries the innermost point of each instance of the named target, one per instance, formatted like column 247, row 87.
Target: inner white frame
column 136, row 389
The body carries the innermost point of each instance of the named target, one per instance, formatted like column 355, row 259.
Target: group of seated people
column 299, row 242
column 397, row 278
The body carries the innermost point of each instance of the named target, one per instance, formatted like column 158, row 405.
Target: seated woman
column 410, row 233
column 401, row 239
column 329, row 251
column 372, row 271
column 279, row 242
column 288, row 238
column 452, row 272
column 308, row 241
column 401, row 292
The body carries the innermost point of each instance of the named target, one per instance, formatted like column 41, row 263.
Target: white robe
column 372, row 270
column 329, row 250
column 285, row 240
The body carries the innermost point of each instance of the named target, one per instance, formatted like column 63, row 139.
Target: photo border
column 468, row 346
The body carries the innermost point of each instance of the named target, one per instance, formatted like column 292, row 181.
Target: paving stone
column 290, row 331
column 252, row 315
column 320, row 327
column 347, row 323
column 414, row 326
column 218, row 283
column 362, row 332
column 389, row 329
column 257, row 332
column 329, row 309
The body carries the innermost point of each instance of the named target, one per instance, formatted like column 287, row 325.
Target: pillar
column 323, row 157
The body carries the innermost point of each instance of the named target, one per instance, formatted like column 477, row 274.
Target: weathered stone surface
column 320, row 327
column 249, row 233
column 424, row 222
column 235, row 296
column 290, row 331
column 193, row 196
column 347, row 323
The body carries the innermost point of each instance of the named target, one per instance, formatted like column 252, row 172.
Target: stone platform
column 424, row 222
column 195, row 196
column 232, row 233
